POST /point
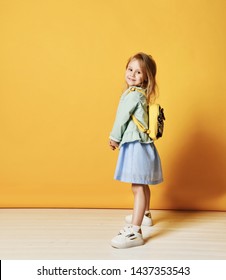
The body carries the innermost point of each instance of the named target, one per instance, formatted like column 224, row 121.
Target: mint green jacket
column 132, row 102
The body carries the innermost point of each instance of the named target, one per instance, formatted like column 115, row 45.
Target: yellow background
column 61, row 76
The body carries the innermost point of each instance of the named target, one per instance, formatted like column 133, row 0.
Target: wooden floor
column 82, row 234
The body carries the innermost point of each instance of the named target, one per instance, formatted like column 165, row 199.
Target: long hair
column 149, row 68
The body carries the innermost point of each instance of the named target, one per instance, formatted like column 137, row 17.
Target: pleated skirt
column 139, row 163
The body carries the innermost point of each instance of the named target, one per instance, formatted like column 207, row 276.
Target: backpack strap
column 156, row 119
column 137, row 89
column 138, row 124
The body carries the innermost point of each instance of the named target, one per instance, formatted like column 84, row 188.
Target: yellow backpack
column 156, row 120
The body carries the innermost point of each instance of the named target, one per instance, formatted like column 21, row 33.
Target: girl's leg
column 147, row 193
column 139, row 204
column 132, row 236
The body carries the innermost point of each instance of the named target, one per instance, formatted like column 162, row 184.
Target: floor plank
column 86, row 233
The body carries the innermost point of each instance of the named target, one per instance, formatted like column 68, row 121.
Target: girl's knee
column 137, row 188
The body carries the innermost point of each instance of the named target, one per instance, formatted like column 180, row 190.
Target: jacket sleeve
column 126, row 107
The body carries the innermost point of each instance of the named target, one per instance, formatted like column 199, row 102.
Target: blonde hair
column 149, row 69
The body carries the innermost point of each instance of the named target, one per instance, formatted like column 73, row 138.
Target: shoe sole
column 127, row 245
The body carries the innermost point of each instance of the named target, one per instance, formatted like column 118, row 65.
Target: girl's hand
column 113, row 144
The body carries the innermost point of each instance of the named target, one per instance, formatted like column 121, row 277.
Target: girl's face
column 134, row 74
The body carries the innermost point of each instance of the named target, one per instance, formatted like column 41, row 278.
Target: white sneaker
column 147, row 220
column 127, row 238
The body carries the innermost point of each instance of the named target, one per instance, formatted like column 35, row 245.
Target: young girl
column 138, row 161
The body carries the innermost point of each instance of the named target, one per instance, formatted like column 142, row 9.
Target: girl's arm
column 127, row 106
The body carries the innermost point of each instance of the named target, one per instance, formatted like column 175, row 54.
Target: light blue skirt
column 139, row 163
